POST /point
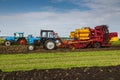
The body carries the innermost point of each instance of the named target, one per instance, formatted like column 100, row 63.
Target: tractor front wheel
column 7, row 43
column 50, row 45
column 31, row 47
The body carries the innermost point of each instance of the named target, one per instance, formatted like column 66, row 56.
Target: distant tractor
column 18, row 38
column 48, row 39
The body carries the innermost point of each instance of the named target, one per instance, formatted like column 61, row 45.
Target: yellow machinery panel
column 84, row 35
column 77, row 36
column 84, row 30
column 72, row 33
column 114, row 39
column 81, row 34
column 72, row 36
column 84, row 38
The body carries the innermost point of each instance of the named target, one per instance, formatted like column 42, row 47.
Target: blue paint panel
column 10, row 38
column 32, row 39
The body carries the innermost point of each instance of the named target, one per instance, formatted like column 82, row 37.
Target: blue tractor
column 18, row 38
column 48, row 39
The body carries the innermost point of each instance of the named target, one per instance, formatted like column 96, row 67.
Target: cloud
column 101, row 12
column 98, row 4
column 100, row 7
column 63, row 23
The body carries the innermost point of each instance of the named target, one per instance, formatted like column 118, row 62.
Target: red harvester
column 88, row 37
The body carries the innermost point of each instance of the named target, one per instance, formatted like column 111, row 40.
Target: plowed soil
column 16, row 49
column 83, row 73
column 13, row 49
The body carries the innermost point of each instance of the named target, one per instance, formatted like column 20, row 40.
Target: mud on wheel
column 50, row 45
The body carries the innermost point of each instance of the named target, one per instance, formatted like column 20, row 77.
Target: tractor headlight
column 58, row 42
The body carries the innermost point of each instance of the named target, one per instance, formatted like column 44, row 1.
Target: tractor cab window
column 17, row 35
column 44, row 34
column 50, row 35
column 21, row 35
column 47, row 33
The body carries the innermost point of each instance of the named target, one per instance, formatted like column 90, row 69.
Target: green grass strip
column 15, row 62
column 116, row 42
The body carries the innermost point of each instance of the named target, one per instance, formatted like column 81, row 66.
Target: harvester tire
column 50, row 45
column 7, row 43
column 22, row 41
column 97, row 45
column 31, row 47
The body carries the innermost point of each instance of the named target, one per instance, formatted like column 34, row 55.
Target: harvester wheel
column 31, row 47
column 97, row 45
column 7, row 43
column 22, row 41
column 50, row 45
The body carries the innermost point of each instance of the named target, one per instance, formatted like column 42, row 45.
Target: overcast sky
column 63, row 16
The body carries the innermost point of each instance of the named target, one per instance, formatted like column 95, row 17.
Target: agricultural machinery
column 88, row 37
column 48, row 39
column 80, row 38
column 18, row 38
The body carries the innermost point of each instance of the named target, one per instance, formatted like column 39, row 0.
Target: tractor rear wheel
column 97, row 45
column 50, row 45
column 22, row 41
column 7, row 43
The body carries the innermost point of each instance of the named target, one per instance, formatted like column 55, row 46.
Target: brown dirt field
column 83, row 73
column 16, row 49
column 13, row 49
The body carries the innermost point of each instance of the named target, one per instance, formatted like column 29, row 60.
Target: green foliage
column 1, row 41
column 13, row 62
column 116, row 42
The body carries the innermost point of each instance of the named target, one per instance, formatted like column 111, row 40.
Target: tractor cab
column 48, row 34
column 18, row 35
